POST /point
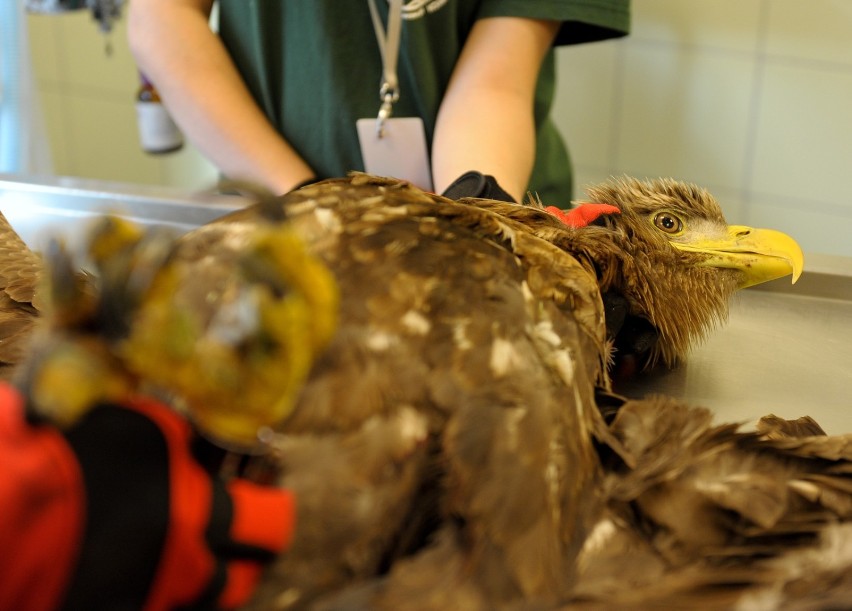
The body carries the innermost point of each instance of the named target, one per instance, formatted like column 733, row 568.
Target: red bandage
column 583, row 214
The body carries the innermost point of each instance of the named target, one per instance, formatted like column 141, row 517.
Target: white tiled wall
column 750, row 98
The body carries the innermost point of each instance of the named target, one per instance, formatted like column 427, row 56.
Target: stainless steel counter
column 39, row 207
column 786, row 349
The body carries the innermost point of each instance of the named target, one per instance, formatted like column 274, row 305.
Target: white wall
column 749, row 98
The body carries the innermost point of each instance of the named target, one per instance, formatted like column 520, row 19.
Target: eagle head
column 673, row 257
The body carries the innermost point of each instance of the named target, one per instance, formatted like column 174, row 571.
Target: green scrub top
column 314, row 68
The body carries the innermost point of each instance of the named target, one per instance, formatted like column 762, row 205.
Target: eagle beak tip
column 796, row 259
column 796, row 275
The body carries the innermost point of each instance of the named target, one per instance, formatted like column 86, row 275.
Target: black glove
column 477, row 184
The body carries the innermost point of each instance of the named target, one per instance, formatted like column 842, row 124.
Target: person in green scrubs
column 274, row 96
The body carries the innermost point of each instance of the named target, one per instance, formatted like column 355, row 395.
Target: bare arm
column 486, row 119
column 174, row 46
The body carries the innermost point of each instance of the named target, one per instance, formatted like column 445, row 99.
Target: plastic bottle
column 158, row 133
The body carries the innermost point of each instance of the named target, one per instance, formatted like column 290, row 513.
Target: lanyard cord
column 388, row 42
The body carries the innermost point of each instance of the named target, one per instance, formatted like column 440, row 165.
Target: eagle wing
column 20, row 276
column 495, row 339
column 713, row 517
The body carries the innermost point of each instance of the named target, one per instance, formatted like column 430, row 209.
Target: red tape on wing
column 583, row 214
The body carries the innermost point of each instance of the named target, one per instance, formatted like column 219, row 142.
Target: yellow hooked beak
column 760, row 254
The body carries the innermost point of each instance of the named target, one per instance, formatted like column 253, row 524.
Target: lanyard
column 389, row 49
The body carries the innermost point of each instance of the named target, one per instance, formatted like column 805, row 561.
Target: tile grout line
column 749, row 155
column 771, row 57
column 68, row 157
column 617, row 110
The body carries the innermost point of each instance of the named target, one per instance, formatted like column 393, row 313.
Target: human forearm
column 486, row 120
column 173, row 45
column 497, row 138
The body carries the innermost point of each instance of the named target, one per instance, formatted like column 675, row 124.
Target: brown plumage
column 26, row 295
column 20, row 276
column 678, row 289
column 486, row 318
column 447, row 441
column 708, row 516
column 462, row 328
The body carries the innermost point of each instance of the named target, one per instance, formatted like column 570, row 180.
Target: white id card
column 401, row 152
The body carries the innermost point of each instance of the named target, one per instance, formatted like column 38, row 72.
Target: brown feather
column 466, row 316
column 20, row 301
column 773, row 427
column 713, row 517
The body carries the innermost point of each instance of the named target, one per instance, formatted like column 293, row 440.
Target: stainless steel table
column 42, row 207
column 786, row 349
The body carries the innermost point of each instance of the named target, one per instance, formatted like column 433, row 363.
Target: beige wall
column 750, row 98
column 88, row 102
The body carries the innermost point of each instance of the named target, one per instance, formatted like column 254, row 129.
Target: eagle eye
column 668, row 222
